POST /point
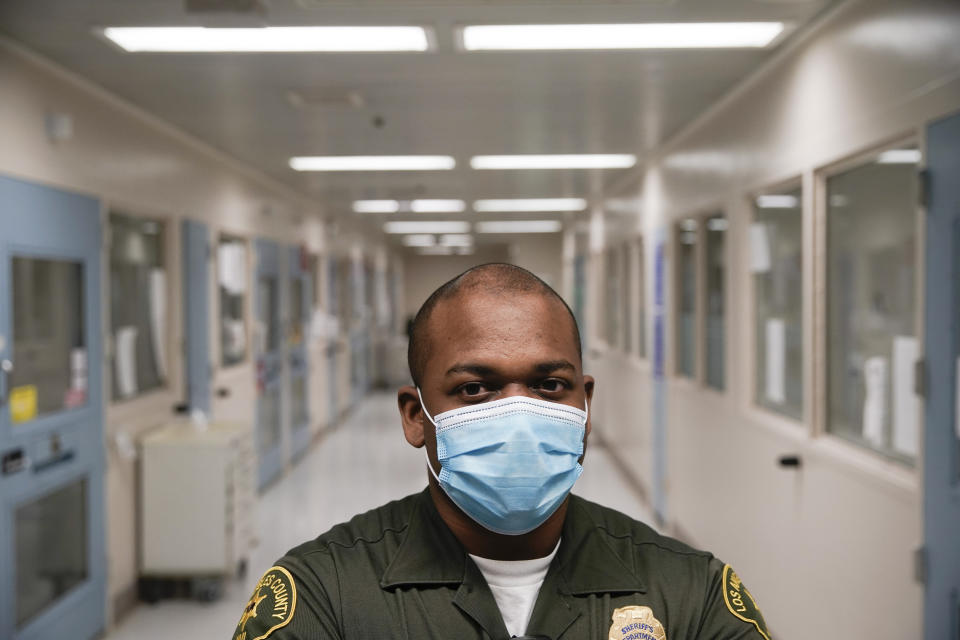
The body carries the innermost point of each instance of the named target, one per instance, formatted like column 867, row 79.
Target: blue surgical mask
column 509, row 464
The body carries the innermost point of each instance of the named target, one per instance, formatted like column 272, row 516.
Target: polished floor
column 360, row 465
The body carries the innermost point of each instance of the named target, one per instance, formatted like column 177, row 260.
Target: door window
column 50, row 536
column 715, row 256
column 232, row 284
column 49, row 348
column 776, row 261
column 686, row 297
column 138, row 305
column 871, row 282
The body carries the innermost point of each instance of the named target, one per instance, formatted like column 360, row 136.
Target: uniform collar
column 585, row 562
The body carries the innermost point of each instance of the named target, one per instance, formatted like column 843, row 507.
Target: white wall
column 828, row 548
column 138, row 164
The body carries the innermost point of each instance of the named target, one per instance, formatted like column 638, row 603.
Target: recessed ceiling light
column 556, row 161
column 658, row 35
column 530, row 204
column 373, row 163
column 437, row 206
column 427, row 226
column 778, row 201
column 376, row 206
column 519, row 226
column 899, row 156
column 267, row 39
column 419, row 240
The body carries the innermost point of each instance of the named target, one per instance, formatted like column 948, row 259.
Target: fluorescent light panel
column 419, row 240
column 777, row 201
column 376, row 206
column 373, row 163
column 899, row 156
column 556, row 161
column 530, row 204
column 426, row 226
column 664, row 35
column 519, row 226
column 267, row 39
column 438, row 206
column 456, row 240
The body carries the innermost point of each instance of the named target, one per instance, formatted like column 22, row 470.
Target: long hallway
column 360, row 465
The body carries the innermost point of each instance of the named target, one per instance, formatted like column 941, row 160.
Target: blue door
column 196, row 310
column 299, row 305
column 941, row 468
column 52, row 558
column 269, row 359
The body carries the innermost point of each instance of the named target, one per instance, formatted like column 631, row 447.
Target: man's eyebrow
column 483, row 370
column 555, row 365
column 469, row 367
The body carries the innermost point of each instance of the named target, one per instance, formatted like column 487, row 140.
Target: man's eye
column 552, row 385
column 472, row 389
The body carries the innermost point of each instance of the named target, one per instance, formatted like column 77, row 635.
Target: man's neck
column 482, row 542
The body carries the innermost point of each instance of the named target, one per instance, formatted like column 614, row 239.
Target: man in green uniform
column 496, row 546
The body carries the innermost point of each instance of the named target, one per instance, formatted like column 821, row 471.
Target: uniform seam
column 692, row 552
column 328, row 543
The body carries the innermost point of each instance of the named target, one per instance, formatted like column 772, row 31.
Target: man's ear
column 588, row 383
column 411, row 415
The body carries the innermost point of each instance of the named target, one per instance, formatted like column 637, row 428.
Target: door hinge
column 923, row 188
column 920, row 565
column 920, row 377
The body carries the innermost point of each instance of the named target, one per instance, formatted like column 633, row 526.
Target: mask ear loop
column 426, row 455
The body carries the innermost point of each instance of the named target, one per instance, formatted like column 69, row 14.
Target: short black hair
column 494, row 278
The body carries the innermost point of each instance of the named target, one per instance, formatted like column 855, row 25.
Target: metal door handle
column 6, row 368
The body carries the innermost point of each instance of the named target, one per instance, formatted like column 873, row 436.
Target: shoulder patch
column 740, row 602
column 271, row 606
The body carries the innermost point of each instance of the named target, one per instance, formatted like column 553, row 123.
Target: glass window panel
column 267, row 312
column 298, row 401
column 296, row 311
column 641, row 290
column 776, row 261
column 626, row 326
column 49, row 348
column 715, row 248
column 686, row 297
column 138, row 309
column 50, row 535
column 269, row 419
column 871, row 338
column 232, row 267
column 612, row 307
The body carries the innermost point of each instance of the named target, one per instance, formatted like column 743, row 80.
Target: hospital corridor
column 480, row 319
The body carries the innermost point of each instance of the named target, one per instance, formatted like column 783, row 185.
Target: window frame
column 809, row 259
column 700, row 216
column 132, row 416
column 819, row 415
column 217, row 311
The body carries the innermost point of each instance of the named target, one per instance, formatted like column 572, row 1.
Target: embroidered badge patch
column 636, row 623
column 271, row 606
column 740, row 602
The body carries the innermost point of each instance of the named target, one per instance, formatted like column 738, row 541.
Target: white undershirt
column 515, row 585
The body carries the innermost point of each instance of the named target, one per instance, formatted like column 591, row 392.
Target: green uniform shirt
column 397, row 572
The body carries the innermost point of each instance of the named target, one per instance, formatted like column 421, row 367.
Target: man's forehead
column 477, row 322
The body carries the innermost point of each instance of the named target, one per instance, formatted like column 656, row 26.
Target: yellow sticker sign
column 23, row 403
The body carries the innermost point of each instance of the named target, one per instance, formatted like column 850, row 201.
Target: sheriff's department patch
column 740, row 602
column 271, row 606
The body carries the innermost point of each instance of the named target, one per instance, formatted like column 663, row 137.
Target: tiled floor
column 362, row 464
